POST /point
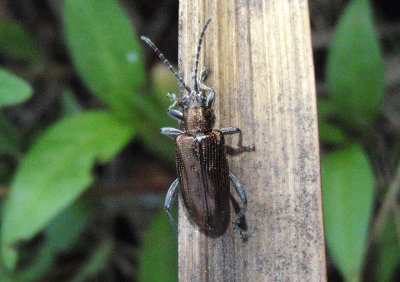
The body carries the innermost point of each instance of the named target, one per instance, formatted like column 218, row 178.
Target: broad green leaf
column 13, row 90
column 324, row 108
column 17, row 41
column 106, row 52
column 108, row 56
column 348, row 194
column 355, row 69
column 158, row 260
column 388, row 252
column 55, row 171
column 61, row 234
column 330, row 133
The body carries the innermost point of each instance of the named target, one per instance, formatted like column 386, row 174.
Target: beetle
column 201, row 162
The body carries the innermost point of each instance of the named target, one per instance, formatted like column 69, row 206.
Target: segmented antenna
column 198, row 54
column 162, row 57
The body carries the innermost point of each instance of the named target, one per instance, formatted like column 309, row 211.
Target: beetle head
column 194, row 99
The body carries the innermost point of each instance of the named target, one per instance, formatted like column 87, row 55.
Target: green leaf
column 348, row 193
column 106, row 52
column 13, row 90
column 17, row 41
column 330, row 133
column 64, row 231
column 355, row 69
column 388, row 254
column 56, row 170
column 61, row 234
column 108, row 56
column 158, row 260
column 324, row 108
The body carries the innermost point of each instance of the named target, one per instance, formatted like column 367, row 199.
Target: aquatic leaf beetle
column 203, row 173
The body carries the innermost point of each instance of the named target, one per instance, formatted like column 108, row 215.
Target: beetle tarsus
column 242, row 196
column 171, row 194
column 172, row 97
column 203, row 74
column 241, row 232
column 249, row 148
column 236, row 151
column 211, row 95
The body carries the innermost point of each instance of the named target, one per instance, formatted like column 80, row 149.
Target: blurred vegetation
column 57, row 167
column 347, row 117
column 49, row 227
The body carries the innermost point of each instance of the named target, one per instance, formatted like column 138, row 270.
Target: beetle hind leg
column 171, row 194
column 242, row 195
column 240, row 148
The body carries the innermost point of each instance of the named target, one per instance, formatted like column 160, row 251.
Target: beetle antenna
column 162, row 57
column 198, row 54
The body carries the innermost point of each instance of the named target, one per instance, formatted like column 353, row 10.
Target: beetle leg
column 236, row 151
column 242, row 195
column 171, row 194
column 172, row 97
column 175, row 114
column 171, row 132
column 211, row 95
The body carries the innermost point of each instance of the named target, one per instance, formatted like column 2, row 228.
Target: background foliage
column 69, row 210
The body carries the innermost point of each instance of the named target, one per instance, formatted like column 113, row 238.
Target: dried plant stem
column 260, row 60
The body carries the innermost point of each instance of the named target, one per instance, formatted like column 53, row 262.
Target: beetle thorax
column 198, row 119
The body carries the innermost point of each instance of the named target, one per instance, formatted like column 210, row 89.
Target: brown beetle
column 203, row 173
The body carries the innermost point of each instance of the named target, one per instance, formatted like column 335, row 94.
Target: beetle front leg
column 242, row 195
column 175, row 114
column 236, row 151
column 171, row 194
column 211, row 95
column 171, row 132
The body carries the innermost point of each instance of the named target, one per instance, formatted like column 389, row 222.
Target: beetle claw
column 242, row 233
column 249, row 148
column 203, row 74
column 172, row 97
